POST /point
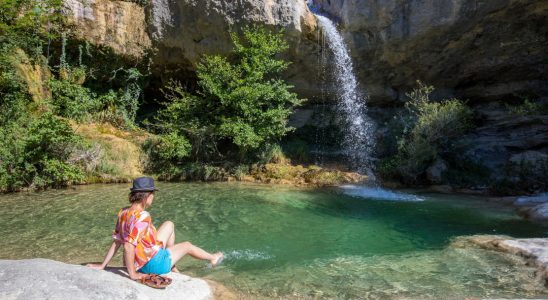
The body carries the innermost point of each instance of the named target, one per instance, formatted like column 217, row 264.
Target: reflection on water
column 292, row 242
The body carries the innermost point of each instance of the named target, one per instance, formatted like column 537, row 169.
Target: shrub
column 240, row 105
column 429, row 130
column 165, row 150
column 297, row 150
column 271, row 153
column 36, row 153
column 528, row 108
column 193, row 171
column 72, row 100
column 240, row 171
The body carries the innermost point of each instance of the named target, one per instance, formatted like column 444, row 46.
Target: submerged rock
column 536, row 213
column 533, row 207
column 48, row 279
column 534, row 250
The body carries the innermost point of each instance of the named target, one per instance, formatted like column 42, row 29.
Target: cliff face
column 115, row 24
column 181, row 31
column 488, row 53
column 184, row 30
column 485, row 52
column 478, row 50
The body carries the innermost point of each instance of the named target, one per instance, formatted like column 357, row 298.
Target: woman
column 147, row 251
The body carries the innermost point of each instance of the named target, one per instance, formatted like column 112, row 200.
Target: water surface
column 292, row 242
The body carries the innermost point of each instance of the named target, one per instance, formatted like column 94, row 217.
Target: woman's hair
column 138, row 196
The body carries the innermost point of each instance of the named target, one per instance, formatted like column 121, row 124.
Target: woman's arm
column 111, row 252
column 129, row 257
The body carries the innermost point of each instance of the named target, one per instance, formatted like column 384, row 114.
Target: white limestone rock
column 48, row 279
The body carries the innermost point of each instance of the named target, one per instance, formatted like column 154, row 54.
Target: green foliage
column 240, row 171
column 271, row 153
column 194, row 171
column 164, row 149
column 528, row 108
column 297, row 150
column 72, row 100
column 241, row 104
column 40, row 149
column 36, row 152
column 27, row 24
column 428, row 131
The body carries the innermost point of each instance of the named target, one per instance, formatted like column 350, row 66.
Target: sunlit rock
column 48, row 279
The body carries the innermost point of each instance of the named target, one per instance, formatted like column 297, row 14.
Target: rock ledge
column 534, row 250
column 48, row 279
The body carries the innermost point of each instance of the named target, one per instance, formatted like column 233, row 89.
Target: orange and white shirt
column 135, row 227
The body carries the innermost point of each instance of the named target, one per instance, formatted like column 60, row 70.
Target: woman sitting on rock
column 147, row 251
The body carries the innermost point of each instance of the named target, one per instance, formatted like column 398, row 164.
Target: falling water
column 358, row 139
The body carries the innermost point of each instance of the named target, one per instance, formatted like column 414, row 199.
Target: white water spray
column 358, row 140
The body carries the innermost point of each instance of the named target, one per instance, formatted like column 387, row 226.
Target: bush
column 193, row 171
column 165, row 150
column 36, row 154
column 298, row 150
column 72, row 100
column 429, row 131
column 271, row 154
column 240, row 106
column 528, row 108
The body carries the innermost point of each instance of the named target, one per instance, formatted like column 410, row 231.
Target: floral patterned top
column 135, row 227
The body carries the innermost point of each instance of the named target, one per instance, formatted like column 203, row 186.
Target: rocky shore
column 49, row 279
column 534, row 250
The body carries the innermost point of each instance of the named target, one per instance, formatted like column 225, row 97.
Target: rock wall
column 116, row 24
column 477, row 50
column 184, row 30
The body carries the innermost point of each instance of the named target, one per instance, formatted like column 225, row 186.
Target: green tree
column 242, row 103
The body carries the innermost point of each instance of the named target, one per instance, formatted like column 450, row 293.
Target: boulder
column 48, row 279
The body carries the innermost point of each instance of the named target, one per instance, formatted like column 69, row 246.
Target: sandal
column 155, row 281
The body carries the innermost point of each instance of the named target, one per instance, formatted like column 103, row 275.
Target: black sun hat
column 143, row 184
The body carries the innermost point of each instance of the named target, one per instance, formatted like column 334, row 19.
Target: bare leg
column 181, row 249
column 166, row 234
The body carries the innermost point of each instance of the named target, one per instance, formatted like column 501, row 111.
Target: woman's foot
column 175, row 270
column 217, row 259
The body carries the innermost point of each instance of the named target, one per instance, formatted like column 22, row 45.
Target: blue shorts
column 159, row 264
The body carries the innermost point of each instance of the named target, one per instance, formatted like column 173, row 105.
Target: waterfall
column 358, row 139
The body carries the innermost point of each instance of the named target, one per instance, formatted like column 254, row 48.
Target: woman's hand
column 95, row 266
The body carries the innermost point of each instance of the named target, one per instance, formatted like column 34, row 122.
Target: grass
column 122, row 157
